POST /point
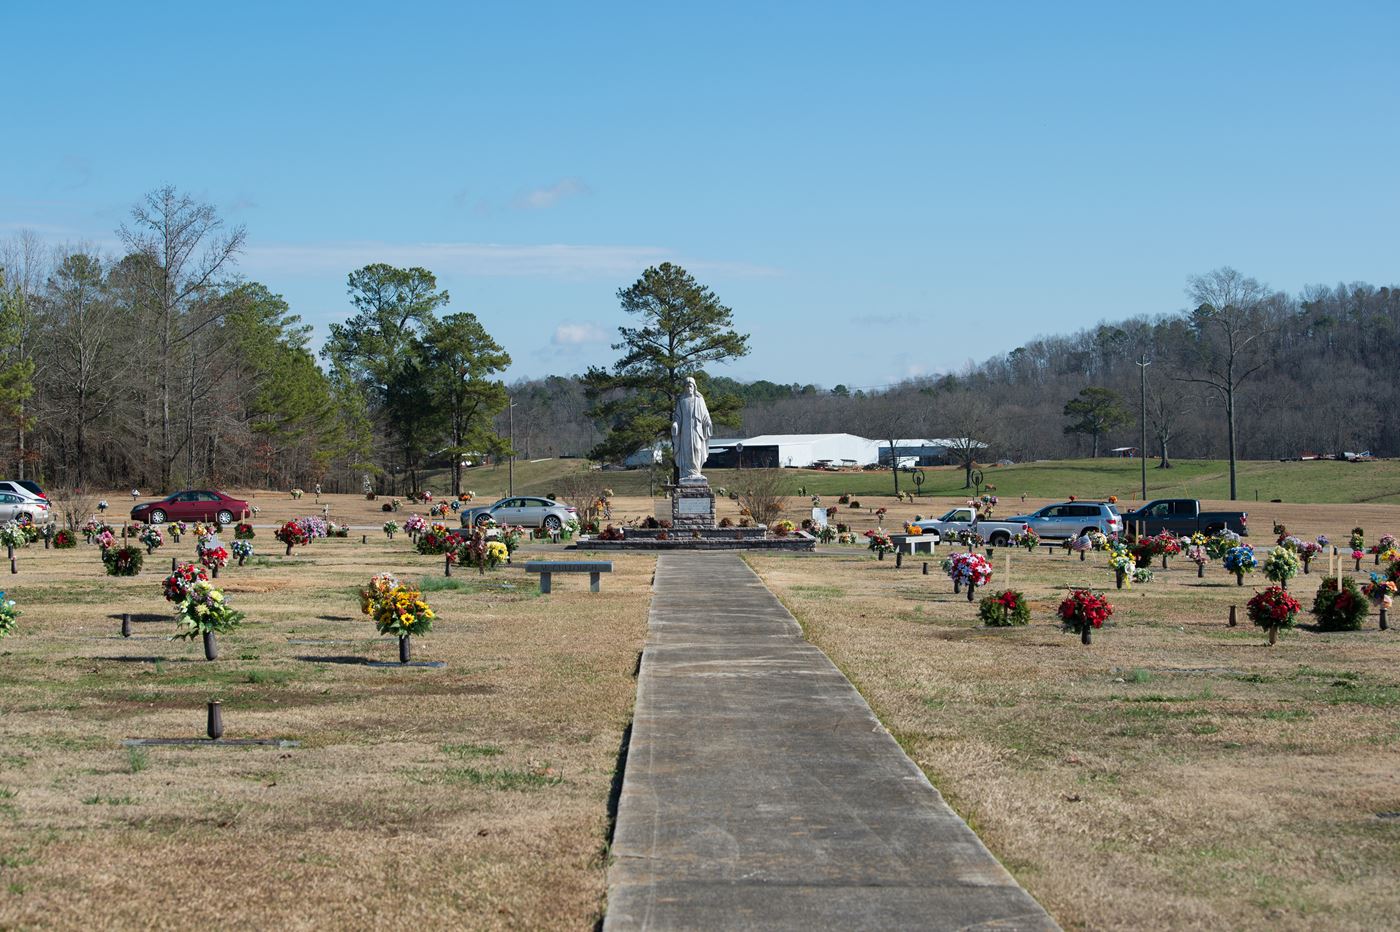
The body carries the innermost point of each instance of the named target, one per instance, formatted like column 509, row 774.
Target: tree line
column 162, row 368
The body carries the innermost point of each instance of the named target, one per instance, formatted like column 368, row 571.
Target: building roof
column 772, row 440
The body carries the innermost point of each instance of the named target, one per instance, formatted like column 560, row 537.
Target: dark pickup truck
column 1182, row 516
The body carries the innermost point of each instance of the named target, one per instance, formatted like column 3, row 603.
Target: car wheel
column 552, row 523
column 157, row 517
column 224, row 517
column 1000, row 539
column 482, row 519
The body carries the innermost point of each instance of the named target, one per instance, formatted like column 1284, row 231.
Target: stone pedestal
column 692, row 506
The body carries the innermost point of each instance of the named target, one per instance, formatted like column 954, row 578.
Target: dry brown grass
column 1175, row 774
column 469, row 796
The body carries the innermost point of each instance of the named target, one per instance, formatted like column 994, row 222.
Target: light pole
column 510, row 469
column 1142, row 417
column 739, row 456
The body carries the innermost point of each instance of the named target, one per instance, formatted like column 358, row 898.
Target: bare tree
column 971, row 425
column 1228, row 325
column 1165, row 413
column 186, row 253
column 763, row 493
column 893, row 417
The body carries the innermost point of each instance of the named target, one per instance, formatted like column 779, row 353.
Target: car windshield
column 950, row 515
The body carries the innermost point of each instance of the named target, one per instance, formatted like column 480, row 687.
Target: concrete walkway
column 761, row 792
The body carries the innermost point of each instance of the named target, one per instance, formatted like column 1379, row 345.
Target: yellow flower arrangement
column 397, row 609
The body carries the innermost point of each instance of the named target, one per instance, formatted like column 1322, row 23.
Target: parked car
column 23, row 487
column 192, row 505
column 1184, row 516
column 527, row 511
column 19, row 507
column 1072, row 519
column 996, row 533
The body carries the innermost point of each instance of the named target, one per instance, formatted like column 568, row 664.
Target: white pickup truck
column 996, row 533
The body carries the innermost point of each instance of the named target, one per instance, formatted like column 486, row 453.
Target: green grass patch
column 137, row 759
column 100, row 800
column 819, row 592
column 521, row 780
column 472, row 750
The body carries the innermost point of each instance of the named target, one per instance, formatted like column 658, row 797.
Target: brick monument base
column 693, row 506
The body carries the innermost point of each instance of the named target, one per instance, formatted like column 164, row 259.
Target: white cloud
column 546, row 197
column 577, row 334
column 556, row 260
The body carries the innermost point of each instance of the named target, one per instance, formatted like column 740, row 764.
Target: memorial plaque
column 693, row 506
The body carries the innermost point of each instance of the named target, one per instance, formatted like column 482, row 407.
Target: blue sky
column 878, row 190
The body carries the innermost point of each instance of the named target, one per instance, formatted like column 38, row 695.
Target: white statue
column 690, row 433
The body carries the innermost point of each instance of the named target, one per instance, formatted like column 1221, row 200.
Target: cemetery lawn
column 475, row 795
column 1175, row 773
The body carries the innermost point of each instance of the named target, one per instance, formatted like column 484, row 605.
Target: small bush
column 1339, row 607
column 1004, row 609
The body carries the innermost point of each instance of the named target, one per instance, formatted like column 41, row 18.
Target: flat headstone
column 760, row 791
column 210, row 742
column 317, row 641
column 386, row 664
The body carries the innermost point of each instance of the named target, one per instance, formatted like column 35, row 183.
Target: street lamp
column 510, row 469
column 739, row 454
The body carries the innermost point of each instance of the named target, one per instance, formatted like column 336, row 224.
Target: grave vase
column 1273, row 635
column 1119, row 577
column 971, row 588
column 1200, row 571
column 405, row 649
column 1239, row 579
column 211, row 646
column 1086, row 633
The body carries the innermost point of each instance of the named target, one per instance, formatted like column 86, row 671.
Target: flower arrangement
column 913, row 530
column 1123, row 562
column 1028, row 538
column 64, row 539
column 397, row 609
column 122, row 561
column 337, row 530
column 205, row 611
column 9, row 615
column 1273, row 608
column 1196, row 553
column 1339, row 605
column 315, row 526
column 1240, row 560
column 297, row 494
column 1004, row 609
column 177, row 584
column 1221, row 542
column 1380, row 591
column 1083, row 611
column 969, row 568
column 103, row 506
column 847, row 537
column 437, row 539
column 213, row 557
column 243, row 531
column 970, row 538
column 611, row 533
column 292, row 533
column 12, row 534
column 242, row 550
column 1143, row 575
column 1358, row 539
column 151, row 537
column 1281, row 565
column 391, row 528
column 1164, row 545
column 826, row 533
column 880, row 542
column 414, row 525
column 783, row 528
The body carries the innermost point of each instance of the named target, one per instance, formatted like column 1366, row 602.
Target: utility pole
column 510, row 470
column 1142, row 417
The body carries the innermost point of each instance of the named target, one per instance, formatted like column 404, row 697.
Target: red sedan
column 196, row 505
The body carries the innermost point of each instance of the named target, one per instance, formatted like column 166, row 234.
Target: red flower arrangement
column 1083, row 610
column 213, row 556
column 178, row 583
column 1273, row 608
column 969, row 568
column 292, row 533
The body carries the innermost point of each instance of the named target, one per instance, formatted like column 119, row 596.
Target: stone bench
column 547, row 570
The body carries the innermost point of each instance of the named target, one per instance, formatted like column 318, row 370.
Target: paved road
column 761, row 792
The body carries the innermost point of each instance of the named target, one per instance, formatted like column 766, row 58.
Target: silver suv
column 1071, row 519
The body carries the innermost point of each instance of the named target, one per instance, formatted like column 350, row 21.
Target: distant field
column 1262, row 480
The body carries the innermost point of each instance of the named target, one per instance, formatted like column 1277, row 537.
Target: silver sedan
column 526, row 511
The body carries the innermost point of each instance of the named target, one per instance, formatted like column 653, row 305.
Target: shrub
column 122, row 561
column 1339, row 606
column 763, row 494
column 1004, row 609
column 726, row 522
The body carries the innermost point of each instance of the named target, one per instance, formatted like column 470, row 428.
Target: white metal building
column 794, row 450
